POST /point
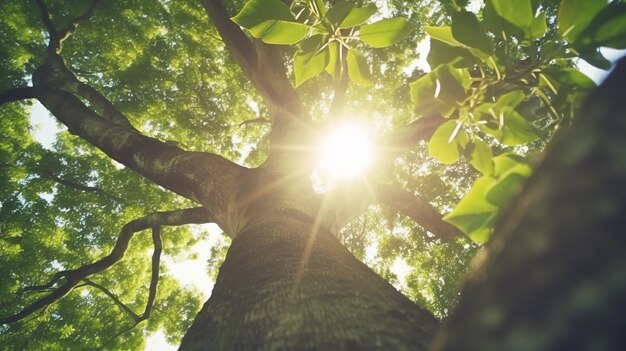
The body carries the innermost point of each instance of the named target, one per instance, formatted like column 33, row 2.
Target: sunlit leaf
column 575, row 15
column 517, row 12
column 338, row 12
column 271, row 21
column 312, row 60
column 441, row 147
column 385, row 32
column 334, row 65
column 474, row 215
column 481, row 157
column 358, row 15
column 358, row 70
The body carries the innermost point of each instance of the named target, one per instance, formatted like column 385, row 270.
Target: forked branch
column 57, row 37
column 65, row 281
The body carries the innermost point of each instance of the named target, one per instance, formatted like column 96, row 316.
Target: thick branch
column 186, row 173
column 16, row 94
column 75, row 276
column 55, row 74
column 348, row 202
column 45, row 20
column 418, row 209
column 405, row 139
column 264, row 66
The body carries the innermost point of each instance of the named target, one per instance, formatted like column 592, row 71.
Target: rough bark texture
column 554, row 275
column 288, row 284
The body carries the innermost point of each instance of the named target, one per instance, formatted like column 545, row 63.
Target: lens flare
column 346, row 152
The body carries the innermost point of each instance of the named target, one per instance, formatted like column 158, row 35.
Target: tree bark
column 288, row 284
column 553, row 276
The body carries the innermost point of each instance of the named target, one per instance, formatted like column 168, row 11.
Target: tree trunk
column 554, row 274
column 288, row 284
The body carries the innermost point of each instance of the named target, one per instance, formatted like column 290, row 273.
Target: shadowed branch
column 418, row 209
column 405, row 139
column 16, row 94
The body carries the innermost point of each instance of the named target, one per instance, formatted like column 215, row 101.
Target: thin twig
column 75, row 276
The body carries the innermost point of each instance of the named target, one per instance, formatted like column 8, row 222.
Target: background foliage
column 503, row 75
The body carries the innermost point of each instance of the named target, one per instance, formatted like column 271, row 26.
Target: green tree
column 176, row 118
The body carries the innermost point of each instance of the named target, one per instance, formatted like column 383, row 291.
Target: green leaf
column 271, row 21
column 442, row 53
column 516, row 12
column 320, row 7
column 438, row 91
column 568, row 79
column 509, row 182
column 511, row 99
column 467, row 30
column 594, row 57
column 450, row 81
column 385, row 32
column 441, row 147
column 444, row 34
column 575, row 15
column 608, row 28
column 474, row 215
column 502, row 192
column 334, row 63
column 515, row 129
column 358, row 70
column 423, row 95
column 496, row 24
column 539, row 26
column 461, row 3
column 358, row 16
column 507, row 162
column 481, row 157
column 338, row 12
column 311, row 60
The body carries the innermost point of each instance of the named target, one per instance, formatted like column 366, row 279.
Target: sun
column 346, row 152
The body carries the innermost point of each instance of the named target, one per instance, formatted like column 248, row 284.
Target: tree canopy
column 165, row 105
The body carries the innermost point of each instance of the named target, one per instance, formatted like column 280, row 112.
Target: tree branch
column 190, row 174
column 55, row 44
column 403, row 140
column 78, row 186
column 416, row 208
column 261, row 63
column 16, row 94
column 154, row 280
column 264, row 66
column 73, row 277
column 45, row 20
column 55, row 74
column 112, row 296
